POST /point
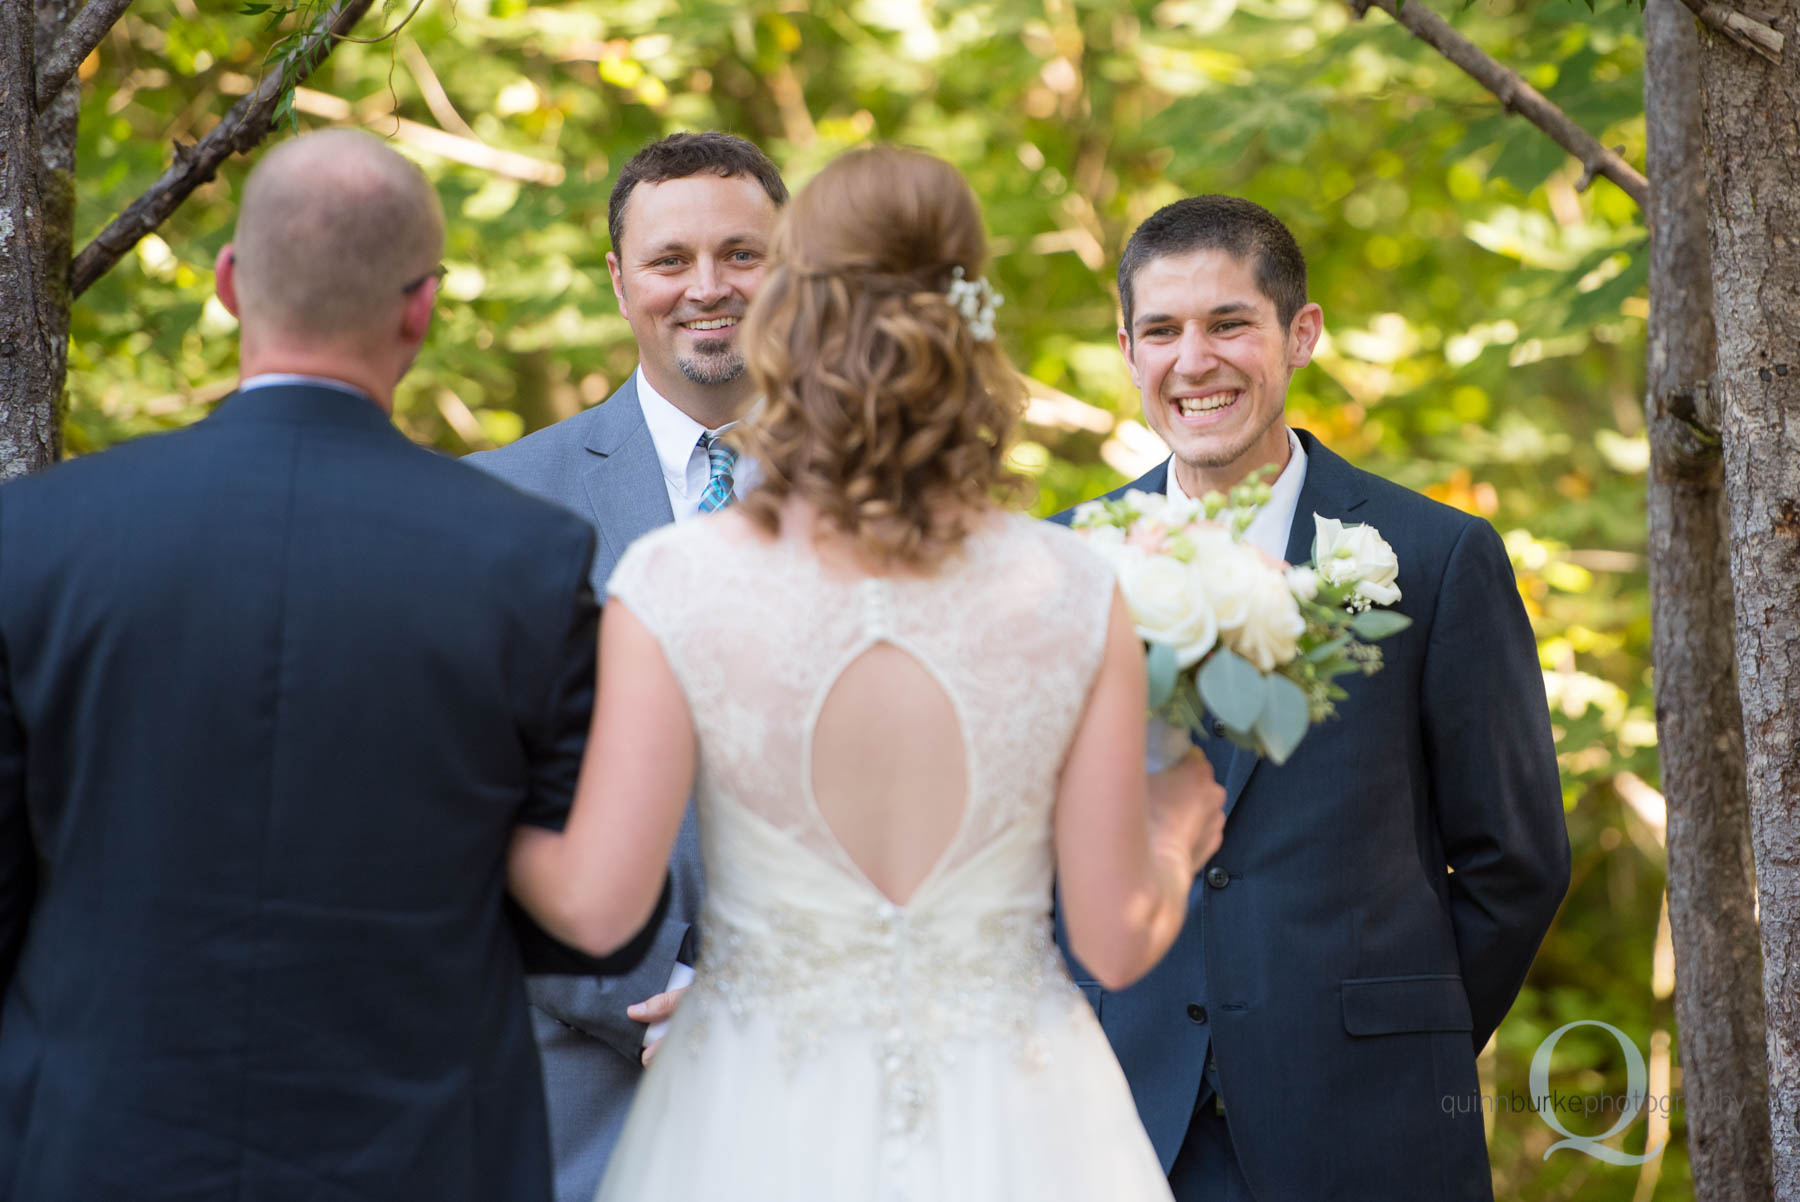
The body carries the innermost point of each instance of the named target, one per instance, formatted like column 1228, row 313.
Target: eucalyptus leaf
column 1160, row 660
column 1232, row 688
column 1372, row 624
column 1325, row 651
column 1284, row 720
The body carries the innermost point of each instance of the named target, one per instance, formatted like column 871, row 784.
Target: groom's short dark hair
column 679, row 156
column 1241, row 228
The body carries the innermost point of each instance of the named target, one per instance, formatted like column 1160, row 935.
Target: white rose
column 1356, row 555
column 1168, row 604
column 1303, row 582
column 1269, row 635
column 1231, row 572
column 1148, row 506
column 1106, row 541
column 1087, row 513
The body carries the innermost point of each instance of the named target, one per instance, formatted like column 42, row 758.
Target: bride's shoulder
column 1035, row 539
column 669, row 555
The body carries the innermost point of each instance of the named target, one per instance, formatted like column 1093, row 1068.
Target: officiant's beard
column 712, row 368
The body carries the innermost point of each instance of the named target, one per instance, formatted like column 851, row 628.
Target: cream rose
column 1232, row 571
column 1269, row 635
column 1356, row 555
column 1303, row 582
column 1168, row 603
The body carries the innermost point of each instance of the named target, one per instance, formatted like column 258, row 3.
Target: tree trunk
column 30, row 349
column 1751, row 114
column 1718, row 965
column 58, row 123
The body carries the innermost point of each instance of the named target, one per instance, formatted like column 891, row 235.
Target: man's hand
column 655, row 1010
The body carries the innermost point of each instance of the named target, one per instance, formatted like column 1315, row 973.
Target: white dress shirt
column 1270, row 528
column 685, row 467
column 277, row 379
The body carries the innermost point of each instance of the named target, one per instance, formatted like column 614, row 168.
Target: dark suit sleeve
column 18, row 859
column 1494, row 784
column 555, row 743
column 556, row 734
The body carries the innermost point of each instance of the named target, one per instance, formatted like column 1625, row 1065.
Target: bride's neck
column 800, row 522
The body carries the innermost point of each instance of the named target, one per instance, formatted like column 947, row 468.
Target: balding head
column 334, row 226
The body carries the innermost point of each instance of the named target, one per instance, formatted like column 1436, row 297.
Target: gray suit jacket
column 602, row 466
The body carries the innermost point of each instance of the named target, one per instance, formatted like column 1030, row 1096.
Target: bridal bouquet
column 1253, row 641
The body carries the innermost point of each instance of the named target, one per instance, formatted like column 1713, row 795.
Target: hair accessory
column 976, row 300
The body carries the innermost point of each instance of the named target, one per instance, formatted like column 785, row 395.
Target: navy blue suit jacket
column 1377, row 900
column 274, row 691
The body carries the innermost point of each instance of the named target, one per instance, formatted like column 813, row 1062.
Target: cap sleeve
column 647, row 579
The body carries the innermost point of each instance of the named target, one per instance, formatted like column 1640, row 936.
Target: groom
column 1377, row 900
column 691, row 219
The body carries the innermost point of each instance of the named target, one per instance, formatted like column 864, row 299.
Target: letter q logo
column 1636, row 1093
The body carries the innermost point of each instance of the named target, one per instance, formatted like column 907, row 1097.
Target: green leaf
column 1373, row 624
column 1284, row 720
column 1325, row 651
column 251, row 10
column 1160, row 660
column 1232, row 688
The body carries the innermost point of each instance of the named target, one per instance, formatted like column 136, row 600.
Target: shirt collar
column 1269, row 530
column 282, row 379
column 674, row 434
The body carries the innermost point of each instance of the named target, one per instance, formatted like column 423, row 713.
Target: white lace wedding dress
column 837, row 1046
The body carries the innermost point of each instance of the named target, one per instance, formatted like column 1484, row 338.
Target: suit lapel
column 1331, row 490
column 624, row 483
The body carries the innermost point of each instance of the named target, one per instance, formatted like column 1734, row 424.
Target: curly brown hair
column 880, row 407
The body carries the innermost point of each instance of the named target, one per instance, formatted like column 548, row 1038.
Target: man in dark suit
column 274, row 692
column 1377, row 899
column 691, row 219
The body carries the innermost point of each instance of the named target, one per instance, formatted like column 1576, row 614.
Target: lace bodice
column 757, row 632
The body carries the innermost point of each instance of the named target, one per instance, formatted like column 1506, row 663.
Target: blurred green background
column 1485, row 318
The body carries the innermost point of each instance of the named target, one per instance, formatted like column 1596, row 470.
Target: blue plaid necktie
column 718, row 492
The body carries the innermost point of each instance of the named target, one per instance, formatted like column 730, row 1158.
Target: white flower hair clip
column 976, row 300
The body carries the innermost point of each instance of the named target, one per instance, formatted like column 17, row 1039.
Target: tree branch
column 1514, row 94
column 77, row 42
column 1746, row 31
column 240, row 130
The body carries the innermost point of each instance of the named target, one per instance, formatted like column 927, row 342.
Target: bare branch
column 77, row 42
column 1514, row 94
column 1746, row 31
column 240, row 130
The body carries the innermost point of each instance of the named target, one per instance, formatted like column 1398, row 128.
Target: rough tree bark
column 1718, row 965
column 39, row 278
column 59, row 113
column 29, row 347
column 1751, row 115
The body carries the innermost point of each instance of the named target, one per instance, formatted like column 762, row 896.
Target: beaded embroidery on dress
column 836, row 1045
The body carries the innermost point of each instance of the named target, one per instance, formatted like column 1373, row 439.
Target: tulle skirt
column 737, row 1108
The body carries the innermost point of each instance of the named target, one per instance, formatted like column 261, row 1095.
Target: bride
column 903, row 711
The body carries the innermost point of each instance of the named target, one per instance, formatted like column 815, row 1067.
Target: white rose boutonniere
column 1358, row 559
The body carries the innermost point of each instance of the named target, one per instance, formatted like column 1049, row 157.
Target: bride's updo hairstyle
column 880, row 406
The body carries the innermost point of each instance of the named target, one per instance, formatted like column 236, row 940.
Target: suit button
column 1217, row 877
column 1217, row 727
column 1197, row 1012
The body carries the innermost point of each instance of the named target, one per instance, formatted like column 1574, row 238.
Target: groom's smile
column 1212, row 359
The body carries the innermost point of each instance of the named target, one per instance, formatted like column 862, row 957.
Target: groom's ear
column 1303, row 335
column 1125, row 348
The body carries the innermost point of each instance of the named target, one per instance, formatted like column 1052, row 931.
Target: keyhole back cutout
column 889, row 769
